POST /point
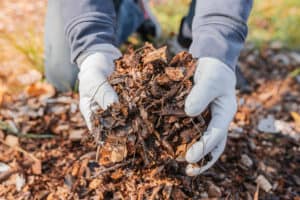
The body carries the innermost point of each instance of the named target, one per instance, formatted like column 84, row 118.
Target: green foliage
column 9, row 129
column 275, row 20
column 295, row 73
column 30, row 45
column 272, row 20
column 169, row 14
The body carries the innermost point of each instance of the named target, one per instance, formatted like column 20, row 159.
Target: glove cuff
column 103, row 57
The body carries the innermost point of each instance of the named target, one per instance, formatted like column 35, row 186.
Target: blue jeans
column 59, row 71
column 130, row 17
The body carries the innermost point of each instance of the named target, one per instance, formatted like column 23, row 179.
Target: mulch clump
column 149, row 120
column 148, row 128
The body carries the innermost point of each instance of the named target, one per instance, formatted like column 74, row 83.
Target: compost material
column 149, row 121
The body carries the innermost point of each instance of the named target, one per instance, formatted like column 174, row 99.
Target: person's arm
column 91, row 33
column 219, row 31
column 88, row 25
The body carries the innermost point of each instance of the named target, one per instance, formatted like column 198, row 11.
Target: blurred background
column 273, row 22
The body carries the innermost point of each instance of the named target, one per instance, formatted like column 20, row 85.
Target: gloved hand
column 214, row 85
column 94, row 90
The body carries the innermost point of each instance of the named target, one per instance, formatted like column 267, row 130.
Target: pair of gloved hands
column 214, row 85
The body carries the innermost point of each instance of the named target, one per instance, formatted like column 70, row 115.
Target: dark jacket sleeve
column 220, row 29
column 88, row 24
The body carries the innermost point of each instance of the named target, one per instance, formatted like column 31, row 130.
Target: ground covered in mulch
column 47, row 153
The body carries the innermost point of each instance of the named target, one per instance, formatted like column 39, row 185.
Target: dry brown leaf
column 118, row 153
column 156, row 171
column 76, row 135
column 117, row 174
column 178, row 194
column 159, row 54
column 37, row 167
column 181, row 150
column 12, row 141
column 296, row 118
column 51, row 196
column 263, row 183
column 40, row 89
column 75, row 169
column 163, row 79
column 104, row 158
column 256, row 195
column 94, row 184
column 168, row 147
column 175, row 74
column 83, row 166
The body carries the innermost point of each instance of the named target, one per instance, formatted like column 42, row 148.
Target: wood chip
column 246, row 160
column 12, row 141
column 263, row 183
column 76, row 135
column 214, row 191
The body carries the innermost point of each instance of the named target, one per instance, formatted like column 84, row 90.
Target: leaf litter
column 140, row 143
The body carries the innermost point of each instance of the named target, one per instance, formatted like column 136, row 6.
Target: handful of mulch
column 149, row 121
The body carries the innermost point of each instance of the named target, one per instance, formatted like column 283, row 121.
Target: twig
column 97, row 152
column 7, row 174
column 145, row 150
column 169, row 189
column 197, row 128
column 88, row 155
column 9, row 130
column 112, row 168
column 34, row 136
column 142, row 142
column 168, row 147
column 96, row 134
column 155, row 192
column 227, row 197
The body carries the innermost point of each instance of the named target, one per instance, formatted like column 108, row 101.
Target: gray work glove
column 94, row 90
column 214, row 86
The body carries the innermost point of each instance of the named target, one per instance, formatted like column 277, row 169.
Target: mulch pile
column 149, row 121
column 47, row 153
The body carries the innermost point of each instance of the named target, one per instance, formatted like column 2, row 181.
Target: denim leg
column 130, row 17
column 191, row 13
column 59, row 71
